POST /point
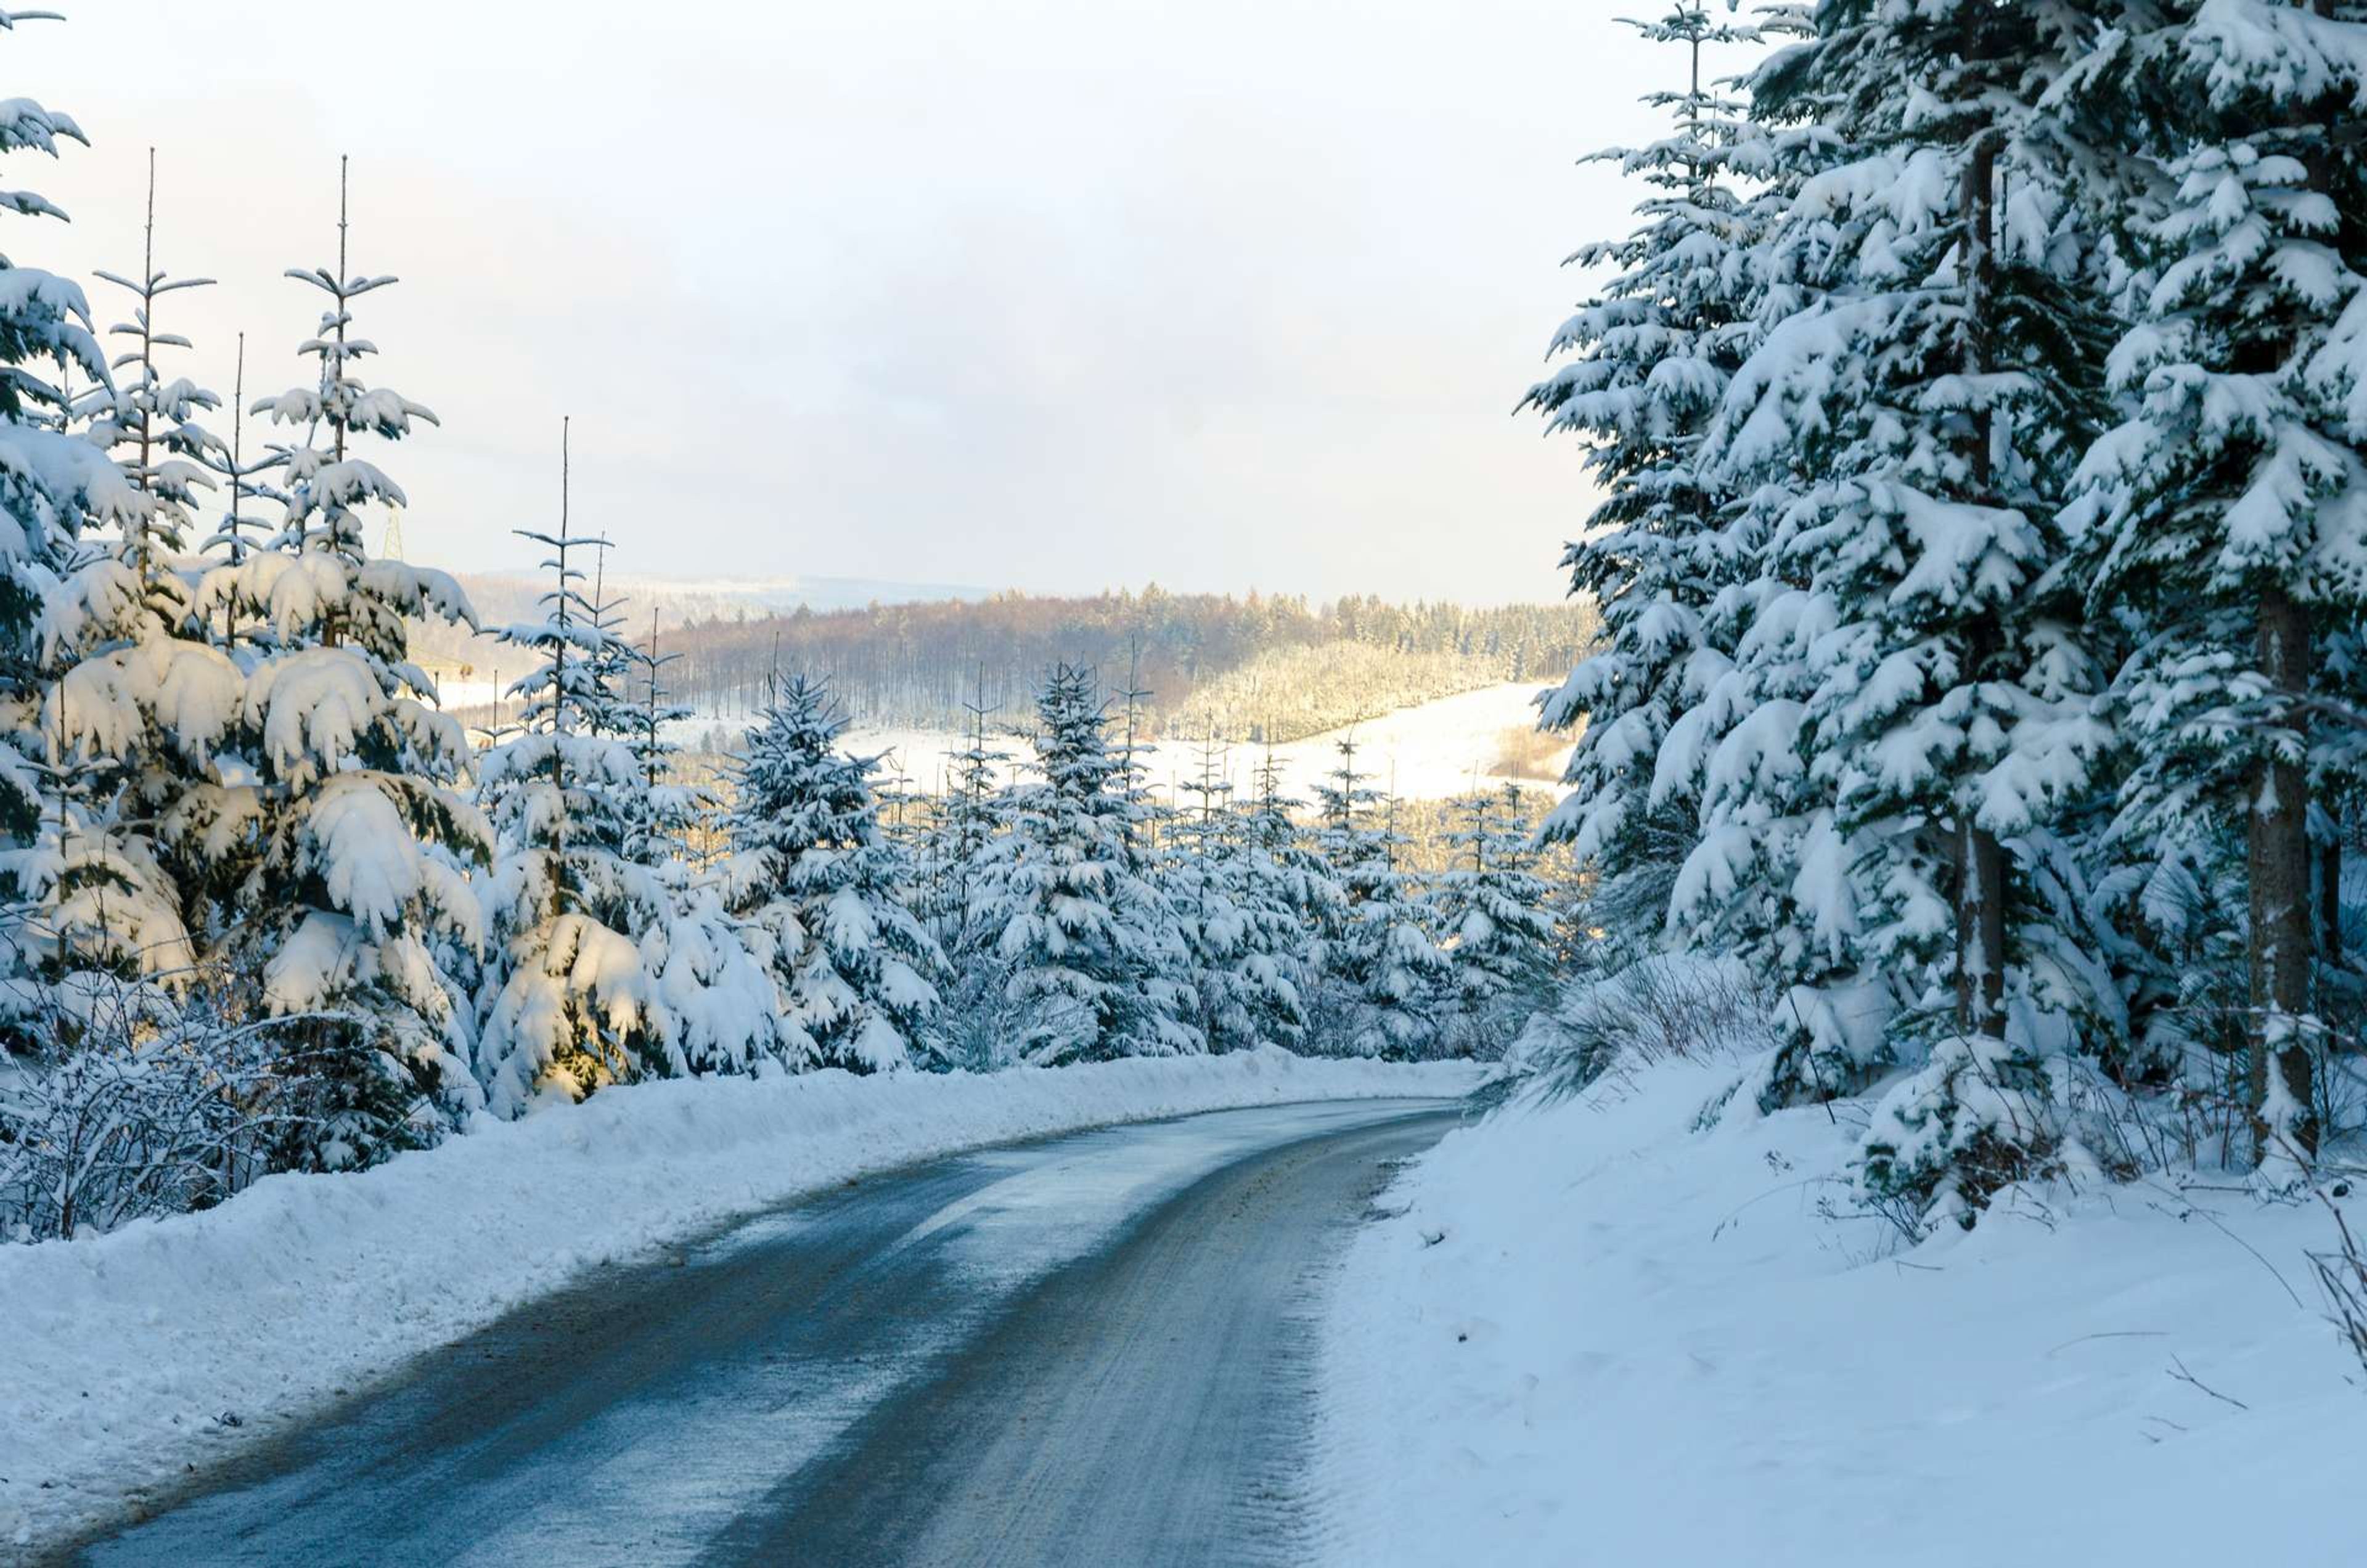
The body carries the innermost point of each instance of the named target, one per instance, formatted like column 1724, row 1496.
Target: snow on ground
column 125, row 1350
column 1594, row 1336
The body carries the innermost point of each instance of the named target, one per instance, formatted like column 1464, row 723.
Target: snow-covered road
column 1091, row 1349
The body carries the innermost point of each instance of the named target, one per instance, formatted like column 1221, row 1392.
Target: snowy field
column 1428, row 752
column 127, row 1350
column 1593, row 1336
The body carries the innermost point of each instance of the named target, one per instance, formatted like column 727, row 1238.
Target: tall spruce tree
column 1707, row 664
column 137, row 710
column 2227, row 517
column 55, row 488
column 341, row 844
column 1908, row 431
column 1649, row 360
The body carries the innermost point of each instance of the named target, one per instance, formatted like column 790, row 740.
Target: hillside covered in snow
column 1437, row 750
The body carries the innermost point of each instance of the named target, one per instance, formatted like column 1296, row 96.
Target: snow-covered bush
column 1674, row 1006
column 166, row 1105
column 982, row 1026
column 1980, row 1115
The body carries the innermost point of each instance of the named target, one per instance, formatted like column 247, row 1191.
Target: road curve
column 1088, row 1349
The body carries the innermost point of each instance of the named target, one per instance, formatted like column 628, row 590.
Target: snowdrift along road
column 1597, row 1331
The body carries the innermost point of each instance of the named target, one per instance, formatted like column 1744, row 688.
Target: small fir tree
column 815, row 871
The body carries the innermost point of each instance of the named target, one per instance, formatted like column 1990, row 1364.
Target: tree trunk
column 1980, row 859
column 2279, row 868
column 1980, row 933
column 2329, row 901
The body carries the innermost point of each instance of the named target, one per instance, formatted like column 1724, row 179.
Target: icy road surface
column 1089, row 1349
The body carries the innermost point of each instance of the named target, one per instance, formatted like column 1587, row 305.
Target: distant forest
column 1250, row 668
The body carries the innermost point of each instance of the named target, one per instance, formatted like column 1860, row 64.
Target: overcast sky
column 1047, row 294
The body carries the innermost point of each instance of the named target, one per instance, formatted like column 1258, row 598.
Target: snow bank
column 125, row 1350
column 1595, row 1335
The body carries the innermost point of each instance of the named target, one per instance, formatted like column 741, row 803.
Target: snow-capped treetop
column 154, row 421
column 796, row 792
column 575, row 689
column 241, row 529
column 338, row 596
column 327, row 485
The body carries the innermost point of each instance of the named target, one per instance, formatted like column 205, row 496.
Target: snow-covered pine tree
column 1090, row 946
column 1908, row 430
column 344, row 836
column 1708, row 666
column 1648, row 361
column 1493, row 915
column 1290, row 857
column 601, row 971
column 669, row 810
column 1381, row 970
column 565, row 1001
column 55, row 488
column 814, row 870
column 136, row 709
column 1248, row 949
column 132, row 640
column 969, row 818
column 975, row 1025
column 2227, row 516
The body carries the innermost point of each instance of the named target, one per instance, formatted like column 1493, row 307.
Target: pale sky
column 1047, row 294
